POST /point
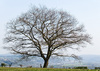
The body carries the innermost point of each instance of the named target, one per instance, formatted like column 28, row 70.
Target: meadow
column 42, row 69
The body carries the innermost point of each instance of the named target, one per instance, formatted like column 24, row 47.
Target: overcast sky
column 87, row 12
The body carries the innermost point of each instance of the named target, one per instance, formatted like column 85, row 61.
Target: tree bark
column 45, row 63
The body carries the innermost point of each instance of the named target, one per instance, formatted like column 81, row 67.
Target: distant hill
column 87, row 60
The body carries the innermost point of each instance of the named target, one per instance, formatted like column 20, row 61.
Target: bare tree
column 44, row 32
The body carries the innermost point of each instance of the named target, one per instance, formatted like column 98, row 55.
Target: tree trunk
column 45, row 63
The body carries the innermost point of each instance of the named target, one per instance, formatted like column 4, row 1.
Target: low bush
column 3, row 64
column 97, row 67
column 80, row 67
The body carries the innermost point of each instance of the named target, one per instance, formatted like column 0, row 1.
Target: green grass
column 41, row 69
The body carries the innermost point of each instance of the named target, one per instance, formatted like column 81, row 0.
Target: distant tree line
column 79, row 67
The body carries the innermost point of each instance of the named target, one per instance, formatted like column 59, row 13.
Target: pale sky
column 87, row 12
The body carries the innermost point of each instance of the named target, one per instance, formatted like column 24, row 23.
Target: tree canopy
column 45, row 32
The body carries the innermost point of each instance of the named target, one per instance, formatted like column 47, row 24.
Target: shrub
column 80, row 67
column 21, row 65
column 3, row 64
column 97, row 67
column 10, row 64
column 51, row 66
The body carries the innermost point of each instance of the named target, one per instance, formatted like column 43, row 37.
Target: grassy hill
column 42, row 69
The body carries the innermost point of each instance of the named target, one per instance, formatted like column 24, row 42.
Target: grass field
column 41, row 69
